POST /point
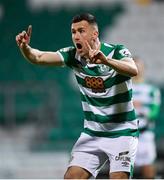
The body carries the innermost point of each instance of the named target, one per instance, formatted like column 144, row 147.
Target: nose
column 76, row 36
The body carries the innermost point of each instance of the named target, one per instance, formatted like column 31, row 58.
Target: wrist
column 107, row 61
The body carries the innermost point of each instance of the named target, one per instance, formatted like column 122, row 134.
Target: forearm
column 123, row 66
column 36, row 56
column 31, row 54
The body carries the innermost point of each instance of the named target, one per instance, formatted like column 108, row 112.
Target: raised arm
column 126, row 66
column 36, row 56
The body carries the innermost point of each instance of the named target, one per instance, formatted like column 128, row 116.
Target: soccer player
column 147, row 104
column 103, row 72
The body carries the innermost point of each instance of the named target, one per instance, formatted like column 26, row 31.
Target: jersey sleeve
column 66, row 55
column 121, row 52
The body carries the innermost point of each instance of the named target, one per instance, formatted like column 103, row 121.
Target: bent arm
column 124, row 65
column 36, row 56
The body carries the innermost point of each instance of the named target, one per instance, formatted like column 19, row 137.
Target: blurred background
column 40, row 109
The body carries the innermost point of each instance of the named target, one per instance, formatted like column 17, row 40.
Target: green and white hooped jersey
column 106, row 95
column 149, row 98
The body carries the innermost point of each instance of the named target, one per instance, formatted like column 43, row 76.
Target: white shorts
column 146, row 153
column 91, row 153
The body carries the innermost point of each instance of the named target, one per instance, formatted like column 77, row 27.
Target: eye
column 81, row 30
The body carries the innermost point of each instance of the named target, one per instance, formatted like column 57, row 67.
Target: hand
column 95, row 55
column 24, row 37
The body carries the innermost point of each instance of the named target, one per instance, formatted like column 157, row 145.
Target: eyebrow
column 78, row 29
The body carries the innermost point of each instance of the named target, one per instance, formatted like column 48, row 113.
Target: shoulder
column 68, row 49
column 121, row 51
column 107, row 49
column 67, row 54
column 113, row 46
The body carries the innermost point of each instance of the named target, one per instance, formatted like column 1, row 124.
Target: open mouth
column 79, row 46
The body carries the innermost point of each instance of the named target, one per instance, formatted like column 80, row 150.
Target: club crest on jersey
column 95, row 83
column 125, row 52
column 103, row 68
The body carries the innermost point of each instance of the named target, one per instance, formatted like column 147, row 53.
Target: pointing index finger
column 29, row 30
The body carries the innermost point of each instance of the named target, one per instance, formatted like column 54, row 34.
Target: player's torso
column 105, row 96
column 99, row 80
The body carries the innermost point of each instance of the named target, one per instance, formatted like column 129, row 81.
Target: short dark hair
column 86, row 17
